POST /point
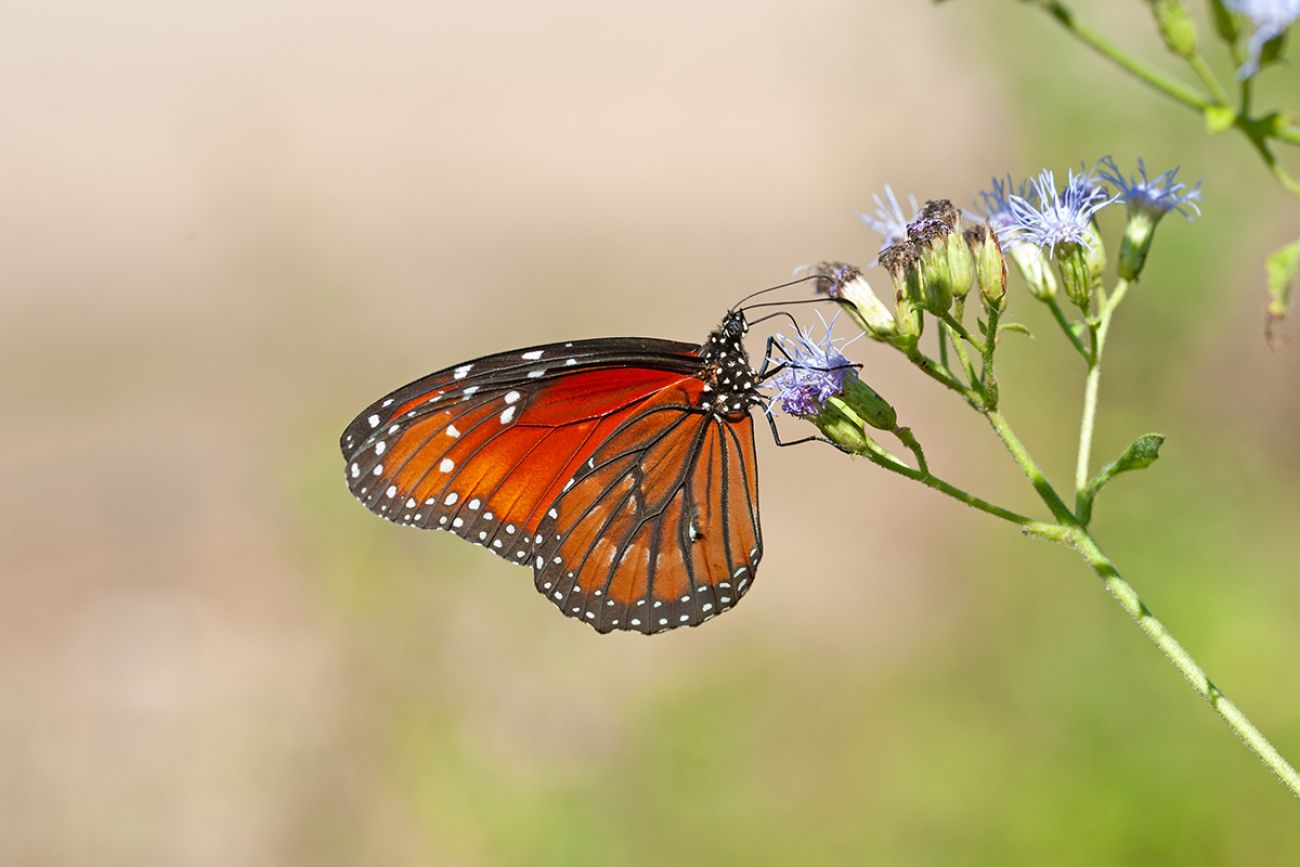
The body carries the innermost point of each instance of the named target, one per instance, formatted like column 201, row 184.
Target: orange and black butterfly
column 621, row 470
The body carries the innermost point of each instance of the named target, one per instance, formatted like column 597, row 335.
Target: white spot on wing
column 452, row 432
column 451, row 499
column 508, row 416
column 459, row 373
column 532, row 356
column 356, row 471
column 379, row 448
column 391, row 492
column 447, row 465
column 374, row 421
column 511, row 396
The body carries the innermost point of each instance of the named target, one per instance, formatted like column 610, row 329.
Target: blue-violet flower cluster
column 1270, row 19
column 814, row 372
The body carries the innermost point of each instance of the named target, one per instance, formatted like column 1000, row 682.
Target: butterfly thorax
column 730, row 384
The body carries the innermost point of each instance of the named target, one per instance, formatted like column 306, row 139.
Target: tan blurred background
column 224, row 228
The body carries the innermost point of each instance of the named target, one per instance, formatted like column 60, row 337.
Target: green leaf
column 1283, row 266
column 1272, row 50
column 1141, row 454
column 1224, row 24
column 1219, row 118
column 1016, row 327
column 1138, row 456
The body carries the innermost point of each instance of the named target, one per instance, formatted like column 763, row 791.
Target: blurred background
column 224, row 228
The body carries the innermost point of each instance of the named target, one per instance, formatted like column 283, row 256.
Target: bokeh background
column 224, row 228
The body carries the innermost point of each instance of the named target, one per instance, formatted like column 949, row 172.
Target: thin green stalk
column 1027, row 465
column 1094, row 40
column 971, row 376
column 1208, row 78
column 1059, row 315
column 960, row 331
column 1129, row 600
column 941, row 374
column 882, row 458
column 1091, row 389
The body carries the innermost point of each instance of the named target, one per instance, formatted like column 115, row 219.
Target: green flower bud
column 844, row 419
column 1133, row 249
column 904, row 267
column 929, row 234
column 1076, row 272
column 961, row 264
column 1176, row 26
column 846, row 285
column 990, row 266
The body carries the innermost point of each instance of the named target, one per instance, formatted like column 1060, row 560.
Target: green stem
column 962, row 354
column 1091, row 389
column 1116, row 55
column 1027, row 465
column 1129, row 600
column 1208, row 78
column 1059, row 315
column 881, row 458
column 940, row 373
column 960, row 331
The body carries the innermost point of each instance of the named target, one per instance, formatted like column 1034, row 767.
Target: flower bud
column 1147, row 200
column 846, row 285
column 866, row 404
column 904, row 269
column 1176, row 26
column 990, row 266
column 929, row 234
column 1133, row 249
column 844, row 419
column 1076, row 273
column 1032, row 263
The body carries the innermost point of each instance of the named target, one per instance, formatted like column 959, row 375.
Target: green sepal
column 1272, row 50
column 1141, row 454
column 1283, row 266
column 1224, row 24
column 1219, row 118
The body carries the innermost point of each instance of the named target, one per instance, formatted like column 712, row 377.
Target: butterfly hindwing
column 660, row 529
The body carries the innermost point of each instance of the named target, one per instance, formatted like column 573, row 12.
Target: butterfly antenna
column 786, row 285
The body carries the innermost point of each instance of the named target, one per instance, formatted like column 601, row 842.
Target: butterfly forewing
column 483, row 448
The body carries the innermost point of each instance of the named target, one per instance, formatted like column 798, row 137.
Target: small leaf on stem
column 1283, row 267
column 1141, row 454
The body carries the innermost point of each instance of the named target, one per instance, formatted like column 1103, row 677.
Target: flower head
column 996, row 202
column 814, row 371
column 1154, row 196
column 1270, row 19
column 1054, row 218
column 888, row 220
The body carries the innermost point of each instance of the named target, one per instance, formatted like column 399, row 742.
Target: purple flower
column 1053, row 217
column 888, row 220
column 996, row 205
column 1153, row 196
column 1270, row 19
column 814, row 371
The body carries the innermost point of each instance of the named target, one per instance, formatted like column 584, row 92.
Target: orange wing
column 660, row 528
column 485, row 448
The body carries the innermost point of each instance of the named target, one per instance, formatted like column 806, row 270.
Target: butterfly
column 621, row 470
